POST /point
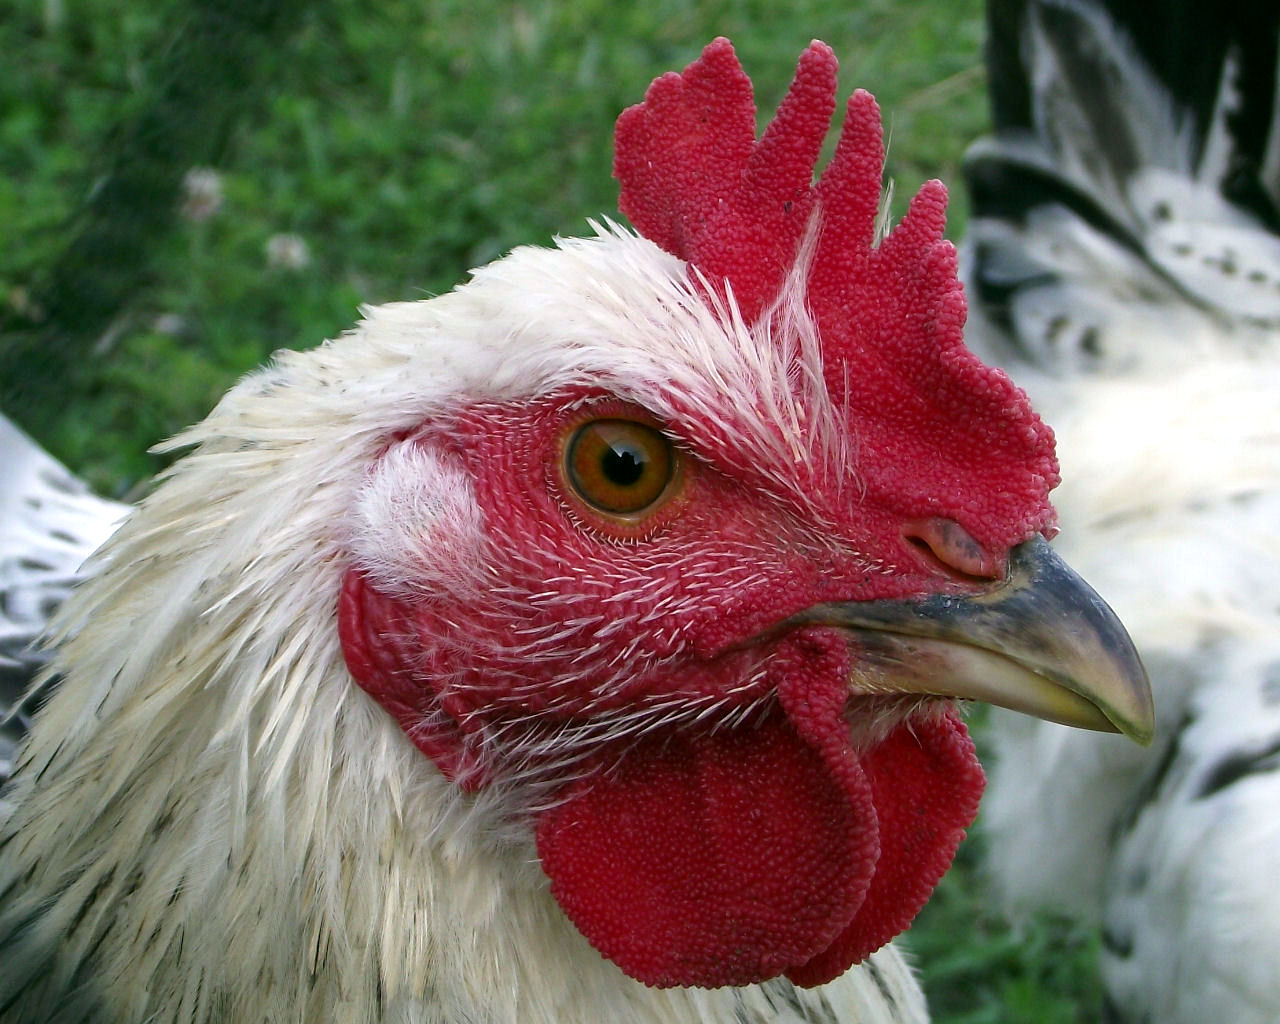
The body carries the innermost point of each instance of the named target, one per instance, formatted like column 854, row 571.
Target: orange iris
column 620, row 467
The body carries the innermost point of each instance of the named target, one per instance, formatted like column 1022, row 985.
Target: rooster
column 1125, row 261
column 580, row 645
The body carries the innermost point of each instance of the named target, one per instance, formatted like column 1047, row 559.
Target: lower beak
column 1041, row 642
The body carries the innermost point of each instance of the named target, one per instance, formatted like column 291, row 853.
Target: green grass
column 405, row 143
column 979, row 970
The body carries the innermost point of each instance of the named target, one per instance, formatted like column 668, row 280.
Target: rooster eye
column 619, row 466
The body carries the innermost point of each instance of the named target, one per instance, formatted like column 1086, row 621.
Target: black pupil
column 622, row 464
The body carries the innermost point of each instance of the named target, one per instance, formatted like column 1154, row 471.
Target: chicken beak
column 1041, row 642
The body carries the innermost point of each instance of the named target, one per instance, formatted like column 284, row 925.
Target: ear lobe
column 416, row 528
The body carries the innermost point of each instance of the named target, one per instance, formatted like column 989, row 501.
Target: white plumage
column 1124, row 267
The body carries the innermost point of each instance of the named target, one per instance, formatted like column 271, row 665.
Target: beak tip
column 1141, row 728
column 1120, row 686
column 1136, row 718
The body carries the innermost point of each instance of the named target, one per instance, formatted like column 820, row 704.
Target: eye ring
column 621, row 468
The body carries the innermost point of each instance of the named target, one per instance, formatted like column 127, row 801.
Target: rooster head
column 704, row 537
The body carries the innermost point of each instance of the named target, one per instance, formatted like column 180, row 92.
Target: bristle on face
column 890, row 313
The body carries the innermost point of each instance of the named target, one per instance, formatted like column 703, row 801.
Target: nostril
column 947, row 542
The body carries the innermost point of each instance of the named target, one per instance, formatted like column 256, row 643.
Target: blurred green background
column 187, row 186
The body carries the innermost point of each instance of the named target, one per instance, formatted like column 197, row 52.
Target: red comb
column 695, row 181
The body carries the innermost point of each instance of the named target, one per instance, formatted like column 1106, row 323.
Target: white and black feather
column 1123, row 262
column 49, row 524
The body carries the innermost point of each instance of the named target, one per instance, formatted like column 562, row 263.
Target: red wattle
column 926, row 782
column 711, row 856
column 725, row 856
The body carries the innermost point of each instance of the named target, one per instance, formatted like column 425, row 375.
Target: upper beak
column 1041, row 642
